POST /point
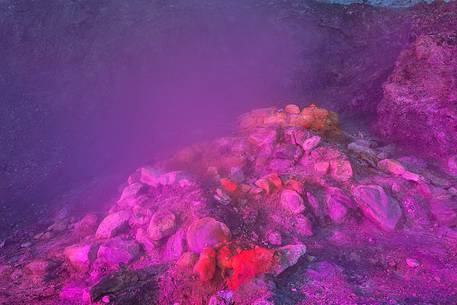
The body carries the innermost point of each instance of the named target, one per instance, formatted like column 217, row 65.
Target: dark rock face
column 420, row 97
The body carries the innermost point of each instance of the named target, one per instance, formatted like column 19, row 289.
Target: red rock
column 248, row 264
column 206, row 264
column 228, row 185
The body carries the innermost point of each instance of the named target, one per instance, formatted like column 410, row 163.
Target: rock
column 206, row 232
column 412, row 262
column 302, row 225
column 311, row 143
column 286, row 257
column 162, row 224
column 315, row 205
column 292, row 109
column 269, row 183
column 117, row 250
column 377, row 206
column 223, row 297
column 444, row 208
column 288, row 151
column 81, row 256
column 341, row 169
column 176, row 245
column 206, row 264
column 263, row 136
column 150, row 176
column 337, row 202
column 248, row 264
column 357, row 148
column 74, row 291
column 39, row 267
column 87, row 225
column 175, row 177
column 142, row 238
column 274, row 238
column 228, row 185
column 418, row 108
column 131, row 191
column 292, row 201
column 187, row 260
column 392, row 167
column 113, row 224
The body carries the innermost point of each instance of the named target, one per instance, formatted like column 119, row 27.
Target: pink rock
column 206, row 232
column 311, row 143
column 131, row 191
column 292, row 201
column 75, row 292
column 81, row 256
column 117, row 250
column 337, row 202
column 391, row 166
column 341, row 169
column 143, row 239
column 302, row 225
column 377, row 206
column 113, row 224
column 150, row 176
column 176, row 245
column 162, row 224
column 87, row 225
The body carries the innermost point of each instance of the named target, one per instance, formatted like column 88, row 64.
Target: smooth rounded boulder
column 206, row 232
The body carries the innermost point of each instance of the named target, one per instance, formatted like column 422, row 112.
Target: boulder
column 113, row 224
column 81, row 256
column 162, row 224
column 292, row 202
column 206, row 232
column 336, row 203
column 176, row 245
column 117, row 250
column 286, row 257
column 378, row 206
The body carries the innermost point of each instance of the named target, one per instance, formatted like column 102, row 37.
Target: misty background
column 90, row 90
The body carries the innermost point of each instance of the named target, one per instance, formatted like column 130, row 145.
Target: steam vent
column 228, row 153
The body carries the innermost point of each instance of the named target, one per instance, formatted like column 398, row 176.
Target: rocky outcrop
column 419, row 108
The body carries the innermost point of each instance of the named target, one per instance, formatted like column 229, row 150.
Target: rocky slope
column 289, row 209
